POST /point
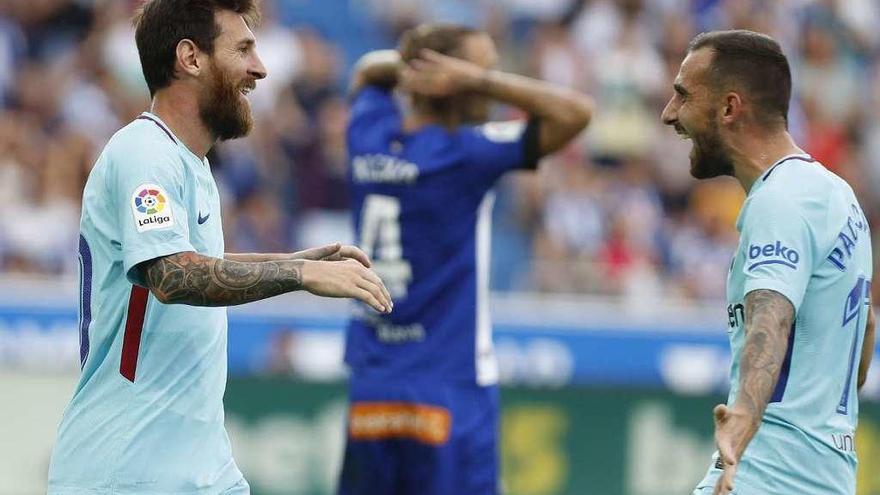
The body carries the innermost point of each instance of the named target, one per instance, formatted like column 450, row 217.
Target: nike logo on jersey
column 203, row 219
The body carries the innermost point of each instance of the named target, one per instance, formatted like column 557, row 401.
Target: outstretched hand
column 346, row 278
column 733, row 430
column 435, row 74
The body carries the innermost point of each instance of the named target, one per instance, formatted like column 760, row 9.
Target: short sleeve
column 145, row 190
column 372, row 103
column 779, row 247
column 497, row 147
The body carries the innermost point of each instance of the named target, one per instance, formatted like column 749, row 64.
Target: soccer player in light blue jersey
column 147, row 414
column 801, row 325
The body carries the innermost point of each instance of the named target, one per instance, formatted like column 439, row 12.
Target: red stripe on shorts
column 134, row 324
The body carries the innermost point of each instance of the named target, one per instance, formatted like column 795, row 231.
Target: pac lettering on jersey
column 774, row 253
column 151, row 208
column 848, row 237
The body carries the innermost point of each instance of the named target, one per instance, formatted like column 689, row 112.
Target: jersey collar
column 766, row 175
column 759, row 182
column 156, row 120
column 162, row 125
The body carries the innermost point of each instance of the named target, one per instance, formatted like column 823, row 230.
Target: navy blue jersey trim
column 532, row 144
column 801, row 158
column 167, row 132
column 85, row 315
column 779, row 392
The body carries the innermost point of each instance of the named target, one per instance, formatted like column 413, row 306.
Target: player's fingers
column 375, row 288
column 719, row 487
column 319, row 253
column 367, row 297
column 409, row 77
column 421, row 65
column 356, row 254
column 431, row 55
column 727, row 479
column 386, row 296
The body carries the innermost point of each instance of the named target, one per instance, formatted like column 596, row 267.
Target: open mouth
column 245, row 90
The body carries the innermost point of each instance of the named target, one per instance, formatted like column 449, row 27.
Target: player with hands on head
column 423, row 389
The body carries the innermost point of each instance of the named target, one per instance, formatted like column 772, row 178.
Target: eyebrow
column 680, row 89
column 249, row 42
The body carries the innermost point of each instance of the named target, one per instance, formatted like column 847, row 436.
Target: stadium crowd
column 616, row 214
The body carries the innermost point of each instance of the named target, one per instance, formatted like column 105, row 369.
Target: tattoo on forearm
column 769, row 315
column 198, row 280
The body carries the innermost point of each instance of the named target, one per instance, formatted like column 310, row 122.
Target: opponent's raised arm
column 563, row 112
column 768, row 318
column 867, row 348
column 376, row 68
column 199, row 280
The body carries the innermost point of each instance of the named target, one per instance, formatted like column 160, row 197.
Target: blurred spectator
column 615, row 214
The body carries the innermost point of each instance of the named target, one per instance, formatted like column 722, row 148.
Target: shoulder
column 797, row 184
column 372, row 98
column 801, row 175
column 141, row 145
column 140, row 135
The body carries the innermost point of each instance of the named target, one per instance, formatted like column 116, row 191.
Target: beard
column 709, row 156
column 223, row 109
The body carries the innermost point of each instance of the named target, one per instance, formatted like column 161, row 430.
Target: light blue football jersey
column 804, row 235
column 147, row 414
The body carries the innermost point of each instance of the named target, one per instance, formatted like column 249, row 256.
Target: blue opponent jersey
column 147, row 414
column 422, row 210
column 803, row 234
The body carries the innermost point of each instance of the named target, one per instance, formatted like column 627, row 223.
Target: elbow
column 585, row 107
column 161, row 296
column 579, row 112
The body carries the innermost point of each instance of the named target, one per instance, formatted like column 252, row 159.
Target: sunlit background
column 609, row 265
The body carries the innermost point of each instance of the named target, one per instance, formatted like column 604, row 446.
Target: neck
column 180, row 112
column 418, row 117
column 753, row 154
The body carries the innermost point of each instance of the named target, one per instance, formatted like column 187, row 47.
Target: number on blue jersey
column 380, row 239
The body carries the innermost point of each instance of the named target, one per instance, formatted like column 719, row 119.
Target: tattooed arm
column 199, row 280
column 769, row 316
column 867, row 348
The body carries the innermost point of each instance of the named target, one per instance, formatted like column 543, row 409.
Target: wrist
column 480, row 81
column 301, row 274
column 747, row 414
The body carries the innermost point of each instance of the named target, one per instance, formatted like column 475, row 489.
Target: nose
column 257, row 69
column 670, row 113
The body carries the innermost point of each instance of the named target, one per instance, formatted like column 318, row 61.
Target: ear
column 189, row 57
column 733, row 108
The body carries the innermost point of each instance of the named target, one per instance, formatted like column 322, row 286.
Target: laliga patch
column 151, row 208
column 503, row 132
